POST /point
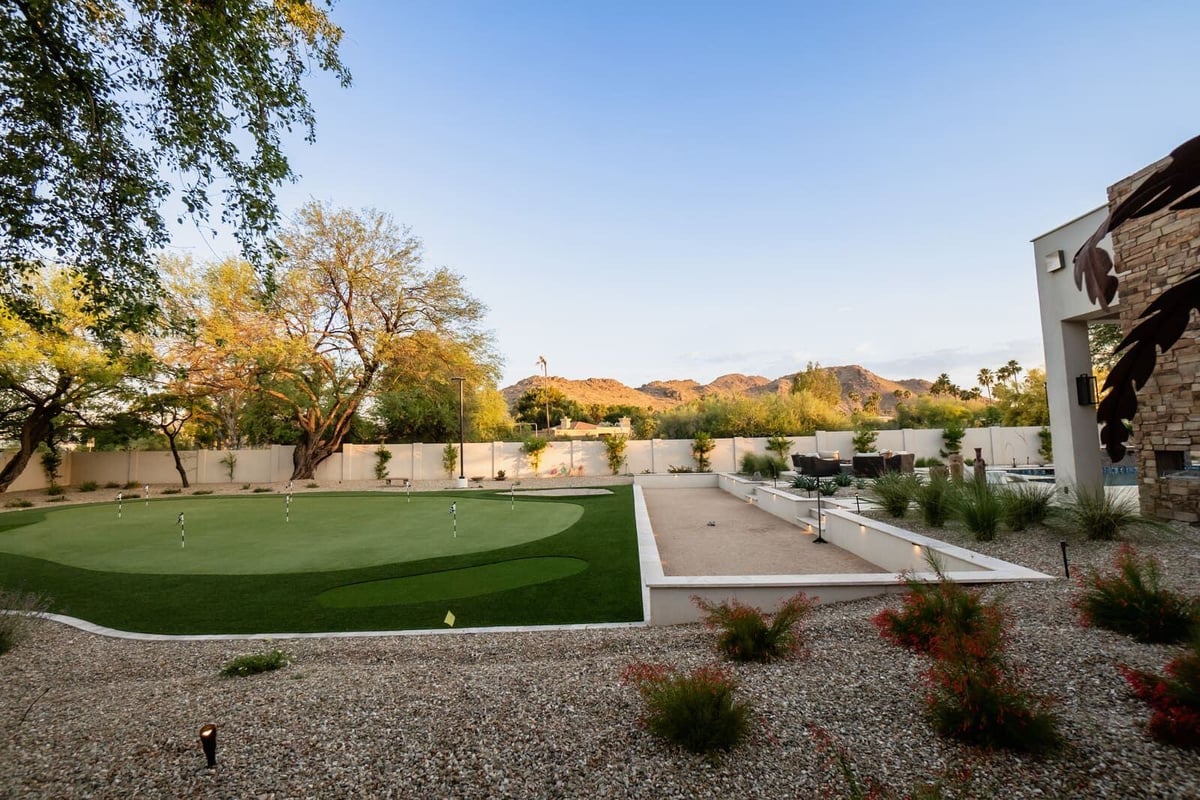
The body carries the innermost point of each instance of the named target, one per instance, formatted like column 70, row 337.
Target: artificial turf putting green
column 248, row 535
column 549, row 560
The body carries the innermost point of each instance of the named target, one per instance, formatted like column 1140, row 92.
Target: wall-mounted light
column 1085, row 388
column 208, row 740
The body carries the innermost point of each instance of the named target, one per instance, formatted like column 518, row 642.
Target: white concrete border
column 668, row 599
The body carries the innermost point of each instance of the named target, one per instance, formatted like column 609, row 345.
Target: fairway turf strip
column 608, row 590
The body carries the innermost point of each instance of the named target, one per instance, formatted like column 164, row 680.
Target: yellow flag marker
column 449, row 620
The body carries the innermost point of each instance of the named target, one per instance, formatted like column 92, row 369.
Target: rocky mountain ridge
column 663, row 394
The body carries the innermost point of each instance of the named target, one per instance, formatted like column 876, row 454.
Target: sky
column 672, row 190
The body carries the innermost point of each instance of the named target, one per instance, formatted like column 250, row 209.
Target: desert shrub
column 203, row 491
column 14, row 627
column 843, row 479
column 1026, row 504
column 1100, row 516
column 132, row 485
column 1173, row 697
column 940, row 608
column 312, row 485
column 931, row 461
column 676, row 470
column 261, row 489
column 745, row 633
column 978, row 506
column 255, row 663
column 500, row 474
column 979, row 700
column 20, row 502
column 806, row 482
column 894, row 491
column 863, row 440
column 935, row 499
column 171, row 490
column 697, row 711
column 112, row 485
column 1132, row 601
column 827, row 488
column 56, row 490
column 131, row 496
column 88, row 486
column 752, row 463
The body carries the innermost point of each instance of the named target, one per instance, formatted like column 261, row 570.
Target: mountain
column 659, row 395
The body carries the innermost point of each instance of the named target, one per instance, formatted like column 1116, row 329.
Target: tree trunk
column 34, row 430
column 306, row 457
column 178, row 462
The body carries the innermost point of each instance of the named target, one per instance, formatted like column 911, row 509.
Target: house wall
column 1154, row 252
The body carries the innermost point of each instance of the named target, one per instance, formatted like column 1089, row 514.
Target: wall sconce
column 208, row 740
column 1085, row 388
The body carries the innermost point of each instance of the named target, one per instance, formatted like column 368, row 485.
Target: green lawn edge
column 608, row 591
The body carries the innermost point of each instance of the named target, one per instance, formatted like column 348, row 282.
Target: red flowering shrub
column 696, row 710
column 1131, row 600
column 927, row 608
column 745, row 633
column 1174, row 698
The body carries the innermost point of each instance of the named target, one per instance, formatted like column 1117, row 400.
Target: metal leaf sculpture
column 1174, row 185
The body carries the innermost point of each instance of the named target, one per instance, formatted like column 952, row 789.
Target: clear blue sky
column 653, row 190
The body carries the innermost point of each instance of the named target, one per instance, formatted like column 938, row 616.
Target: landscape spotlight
column 208, row 740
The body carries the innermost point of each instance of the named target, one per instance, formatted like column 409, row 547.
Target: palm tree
column 1014, row 370
column 986, row 379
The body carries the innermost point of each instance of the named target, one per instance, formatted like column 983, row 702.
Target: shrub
column 745, row 633
column 702, row 445
column 132, row 485
column 1175, row 698
column 1131, row 600
column 171, row 490
column 533, row 448
column 20, row 502
column 255, row 663
column 863, row 440
column 1100, row 516
column 935, row 498
column 1026, row 504
column 979, row 509
column 762, row 464
column 382, row 457
column 806, row 482
column 245, row 486
column 312, row 485
column 894, row 491
column 843, row 479
column 88, row 486
column 930, row 609
column 131, row 496
column 674, row 470
column 614, row 451
column 697, row 710
column 931, row 461
column 262, row 489
column 229, row 461
column 14, row 627
column 980, row 701
column 112, row 485
column 500, row 474
column 827, row 488
column 951, row 781
column 203, row 491
column 450, row 459
column 56, row 490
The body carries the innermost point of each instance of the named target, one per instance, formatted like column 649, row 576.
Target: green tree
column 1103, row 339
column 55, row 373
column 99, row 100
column 780, row 446
column 1025, row 405
column 702, row 445
column 350, row 290
column 449, row 458
column 531, row 407
column 986, row 379
column 821, row 383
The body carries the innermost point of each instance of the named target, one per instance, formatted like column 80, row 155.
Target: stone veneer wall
column 1155, row 252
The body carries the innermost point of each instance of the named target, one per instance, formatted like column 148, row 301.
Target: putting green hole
column 453, row 584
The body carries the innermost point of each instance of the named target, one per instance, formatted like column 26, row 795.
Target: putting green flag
column 449, row 620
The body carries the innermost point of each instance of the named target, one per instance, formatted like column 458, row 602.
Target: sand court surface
column 744, row 541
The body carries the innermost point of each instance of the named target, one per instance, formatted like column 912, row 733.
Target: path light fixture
column 1066, row 566
column 208, row 740
column 820, row 523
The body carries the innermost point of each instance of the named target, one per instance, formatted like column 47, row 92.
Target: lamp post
column 546, row 390
column 462, row 477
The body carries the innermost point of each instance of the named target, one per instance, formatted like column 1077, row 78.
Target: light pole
column 462, row 477
column 546, row 390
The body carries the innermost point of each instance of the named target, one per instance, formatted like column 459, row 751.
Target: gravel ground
column 543, row 714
